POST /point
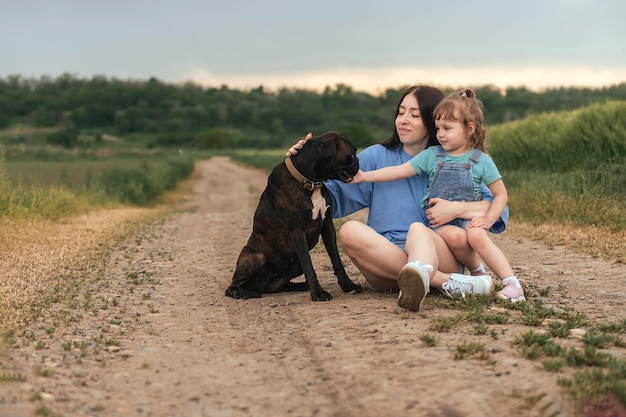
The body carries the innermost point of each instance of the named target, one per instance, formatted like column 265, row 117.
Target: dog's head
column 333, row 156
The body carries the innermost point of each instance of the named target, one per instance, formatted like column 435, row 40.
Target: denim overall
column 453, row 181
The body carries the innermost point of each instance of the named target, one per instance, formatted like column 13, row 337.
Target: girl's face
column 409, row 123
column 452, row 136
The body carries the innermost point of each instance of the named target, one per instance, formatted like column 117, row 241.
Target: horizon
column 535, row 79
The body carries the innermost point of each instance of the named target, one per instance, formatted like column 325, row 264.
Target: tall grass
column 145, row 184
column 557, row 142
column 567, row 167
column 138, row 186
column 578, row 198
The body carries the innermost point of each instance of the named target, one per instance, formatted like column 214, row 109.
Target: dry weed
column 43, row 261
column 590, row 240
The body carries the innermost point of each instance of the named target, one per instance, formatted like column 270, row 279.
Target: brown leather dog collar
column 306, row 183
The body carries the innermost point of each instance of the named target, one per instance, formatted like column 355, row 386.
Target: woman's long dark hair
column 427, row 99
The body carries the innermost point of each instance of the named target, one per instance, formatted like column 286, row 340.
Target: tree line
column 156, row 113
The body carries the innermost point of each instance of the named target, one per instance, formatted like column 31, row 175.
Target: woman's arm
column 442, row 211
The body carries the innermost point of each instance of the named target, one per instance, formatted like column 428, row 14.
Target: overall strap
column 440, row 152
column 475, row 156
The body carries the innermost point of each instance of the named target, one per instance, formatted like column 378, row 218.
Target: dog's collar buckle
column 307, row 184
column 310, row 185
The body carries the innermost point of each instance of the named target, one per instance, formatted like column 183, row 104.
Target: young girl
column 456, row 168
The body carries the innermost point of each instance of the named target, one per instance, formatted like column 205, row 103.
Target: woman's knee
column 350, row 232
column 418, row 228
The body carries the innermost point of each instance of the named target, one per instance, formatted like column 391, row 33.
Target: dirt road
column 155, row 335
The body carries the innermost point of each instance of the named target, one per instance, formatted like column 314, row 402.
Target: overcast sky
column 366, row 44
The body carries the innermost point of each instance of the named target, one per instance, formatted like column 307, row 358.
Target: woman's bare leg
column 377, row 258
column 424, row 245
column 380, row 261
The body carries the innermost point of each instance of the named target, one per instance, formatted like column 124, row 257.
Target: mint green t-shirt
column 484, row 171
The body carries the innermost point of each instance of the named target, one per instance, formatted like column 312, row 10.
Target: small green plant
column 533, row 345
column 112, row 342
column 43, row 411
column 480, row 328
column 497, row 318
column 534, row 314
column 619, row 327
column 553, row 364
column 559, row 329
column 601, row 339
column 428, row 340
column 544, row 292
column 443, row 324
column 588, row 356
column 531, row 338
column 471, row 349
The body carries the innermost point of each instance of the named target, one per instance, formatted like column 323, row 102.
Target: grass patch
column 141, row 185
column 594, row 374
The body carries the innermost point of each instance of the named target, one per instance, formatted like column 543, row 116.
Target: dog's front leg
column 298, row 239
column 329, row 237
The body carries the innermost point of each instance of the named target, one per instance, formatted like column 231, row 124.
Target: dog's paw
column 321, row 295
column 241, row 294
column 351, row 287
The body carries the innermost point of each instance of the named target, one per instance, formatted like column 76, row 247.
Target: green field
column 67, row 173
column 51, row 189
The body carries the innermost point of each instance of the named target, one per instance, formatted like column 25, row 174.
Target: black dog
column 293, row 211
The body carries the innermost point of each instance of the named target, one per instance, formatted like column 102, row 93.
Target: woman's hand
column 298, row 145
column 440, row 211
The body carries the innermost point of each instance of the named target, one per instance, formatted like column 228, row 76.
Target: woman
column 396, row 236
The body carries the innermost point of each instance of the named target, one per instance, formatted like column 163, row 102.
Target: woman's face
column 409, row 123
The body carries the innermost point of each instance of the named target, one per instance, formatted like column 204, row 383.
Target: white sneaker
column 414, row 284
column 464, row 285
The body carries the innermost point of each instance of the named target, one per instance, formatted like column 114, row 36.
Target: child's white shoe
column 512, row 291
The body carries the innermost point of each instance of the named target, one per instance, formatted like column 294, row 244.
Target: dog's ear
column 327, row 164
column 329, row 150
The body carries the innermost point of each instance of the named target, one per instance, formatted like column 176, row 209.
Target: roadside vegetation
column 79, row 186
